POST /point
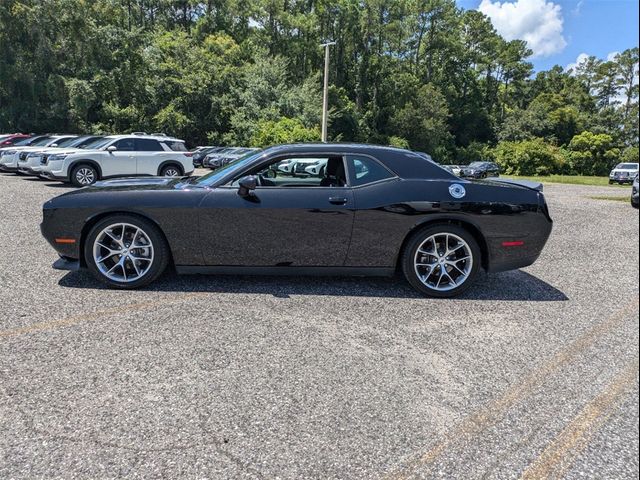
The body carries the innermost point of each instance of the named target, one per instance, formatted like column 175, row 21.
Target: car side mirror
column 53, row 145
column 111, row 148
column 247, row 185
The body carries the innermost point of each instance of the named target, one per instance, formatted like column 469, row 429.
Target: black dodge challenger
column 370, row 211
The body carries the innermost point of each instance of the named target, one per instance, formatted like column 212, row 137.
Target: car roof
column 160, row 138
column 405, row 163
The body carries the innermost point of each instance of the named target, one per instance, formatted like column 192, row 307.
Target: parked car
column 401, row 210
column 317, row 168
column 9, row 157
column 480, row 170
column 24, row 142
column 297, row 166
column 120, row 156
column 214, row 156
column 33, row 163
column 229, row 157
column 9, row 139
column 634, row 192
column 201, row 152
column 623, row 173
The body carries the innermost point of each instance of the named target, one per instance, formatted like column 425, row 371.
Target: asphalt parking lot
column 531, row 374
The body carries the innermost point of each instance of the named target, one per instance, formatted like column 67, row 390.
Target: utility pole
column 325, row 93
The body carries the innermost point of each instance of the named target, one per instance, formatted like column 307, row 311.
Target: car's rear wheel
column 170, row 171
column 441, row 261
column 84, row 175
column 126, row 251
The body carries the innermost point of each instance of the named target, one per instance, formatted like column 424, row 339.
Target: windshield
column 476, row 164
column 42, row 142
column 23, row 142
column 627, row 166
column 67, row 142
column 98, row 143
column 235, row 165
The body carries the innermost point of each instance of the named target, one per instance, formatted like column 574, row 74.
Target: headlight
column 7, row 152
column 57, row 157
column 33, row 155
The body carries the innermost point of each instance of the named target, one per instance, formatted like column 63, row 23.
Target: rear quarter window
column 175, row 145
column 367, row 170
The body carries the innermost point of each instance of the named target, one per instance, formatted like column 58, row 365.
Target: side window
column 303, row 171
column 175, row 146
column 124, row 145
column 147, row 145
column 366, row 170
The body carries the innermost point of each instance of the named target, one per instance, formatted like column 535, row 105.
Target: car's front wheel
column 126, row 251
column 441, row 260
column 84, row 175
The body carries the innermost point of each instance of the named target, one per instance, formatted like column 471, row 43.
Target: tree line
column 422, row 74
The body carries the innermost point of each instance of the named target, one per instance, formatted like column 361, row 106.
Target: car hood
column 136, row 183
column 61, row 150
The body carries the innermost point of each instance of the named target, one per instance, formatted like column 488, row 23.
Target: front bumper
column 67, row 264
column 51, row 176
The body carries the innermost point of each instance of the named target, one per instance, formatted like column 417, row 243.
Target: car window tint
column 125, row 145
column 367, row 170
column 147, row 145
column 175, row 145
column 302, row 171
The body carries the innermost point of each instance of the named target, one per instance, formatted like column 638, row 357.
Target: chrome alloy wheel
column 85, row 176
column 123, row 252
column 171, row 172
column 443, row 261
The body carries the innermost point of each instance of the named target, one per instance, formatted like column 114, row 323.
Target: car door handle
column 338, row 200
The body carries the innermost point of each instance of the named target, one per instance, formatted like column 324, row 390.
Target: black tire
column 83, row 175
column 160, row 258
column 171, row 167
column 414, row 242
column 610, row 182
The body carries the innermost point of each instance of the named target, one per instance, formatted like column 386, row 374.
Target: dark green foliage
column 422, row 74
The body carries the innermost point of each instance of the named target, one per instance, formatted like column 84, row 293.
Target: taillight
column 188, row 154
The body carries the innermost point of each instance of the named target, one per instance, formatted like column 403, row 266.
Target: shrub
column 528, row 157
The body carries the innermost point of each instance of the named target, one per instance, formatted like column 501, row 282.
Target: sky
column 561, row 32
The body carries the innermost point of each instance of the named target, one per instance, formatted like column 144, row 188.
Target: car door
column 148, row 155
column 121, row 161
column 284, row 223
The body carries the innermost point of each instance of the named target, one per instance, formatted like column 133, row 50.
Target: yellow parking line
column 489, row 414
column 86, row 317
column 565, row 448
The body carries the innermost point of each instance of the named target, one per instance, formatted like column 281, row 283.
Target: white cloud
column 538, row 22
column 612, row 56
column 578, row 8
column 581, row 58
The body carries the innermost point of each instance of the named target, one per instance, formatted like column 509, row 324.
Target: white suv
column 9, row 157
column 119, row 156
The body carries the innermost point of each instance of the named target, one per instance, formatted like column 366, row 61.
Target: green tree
column 592, row 153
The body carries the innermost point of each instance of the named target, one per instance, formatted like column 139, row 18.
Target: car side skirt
column 286, row 270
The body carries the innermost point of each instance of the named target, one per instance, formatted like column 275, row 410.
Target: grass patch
column 571, row 179
column 609, row 197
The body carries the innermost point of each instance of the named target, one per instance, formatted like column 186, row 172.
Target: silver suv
column 119, row 156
